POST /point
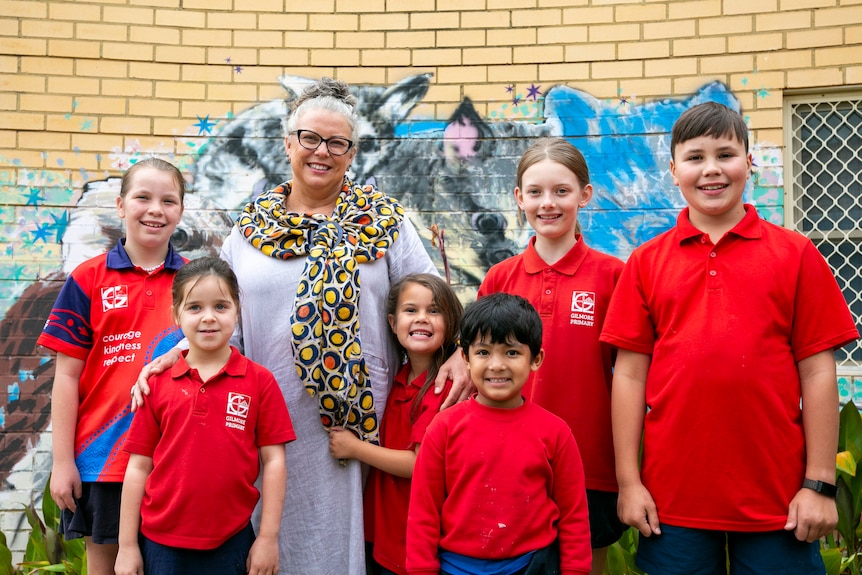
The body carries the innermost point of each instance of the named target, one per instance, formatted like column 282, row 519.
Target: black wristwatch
column 820, row 487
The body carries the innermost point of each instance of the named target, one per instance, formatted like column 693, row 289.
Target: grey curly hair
column 326, row 94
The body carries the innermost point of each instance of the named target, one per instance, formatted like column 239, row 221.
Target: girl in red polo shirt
column 570, row 284
column 424, row 315
column 213, row 423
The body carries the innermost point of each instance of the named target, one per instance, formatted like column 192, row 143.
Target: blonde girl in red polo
column 424, row 315
column 570, row 284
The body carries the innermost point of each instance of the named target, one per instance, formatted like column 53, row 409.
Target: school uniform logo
column 115, row 297
column 238, row 405
column 583, row 308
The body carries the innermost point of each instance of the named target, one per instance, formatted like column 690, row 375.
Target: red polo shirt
column 574, row 382
column 726, row 324
column 387, row 496
column 204, row 440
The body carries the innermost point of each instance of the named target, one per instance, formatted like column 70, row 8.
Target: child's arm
column 343, row 444
column 129, row 560
column 65, row 478
column 635, row 505
column 812, row 515
column 263, row 556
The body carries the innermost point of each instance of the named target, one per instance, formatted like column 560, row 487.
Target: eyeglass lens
column 311, row 140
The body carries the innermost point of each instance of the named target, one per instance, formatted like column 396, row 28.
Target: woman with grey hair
column 315, row 258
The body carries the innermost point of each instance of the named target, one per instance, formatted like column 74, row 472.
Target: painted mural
column 455, row 178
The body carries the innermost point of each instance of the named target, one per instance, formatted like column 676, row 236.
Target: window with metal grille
column 823, row 143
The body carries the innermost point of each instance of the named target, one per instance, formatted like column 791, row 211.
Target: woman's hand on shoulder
column 158, row 365
column 454, row 369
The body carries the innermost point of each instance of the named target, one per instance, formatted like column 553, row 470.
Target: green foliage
column 621, row 555
column 47, row 551
column 842, row 551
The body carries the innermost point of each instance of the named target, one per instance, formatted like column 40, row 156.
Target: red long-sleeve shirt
column 495, row 484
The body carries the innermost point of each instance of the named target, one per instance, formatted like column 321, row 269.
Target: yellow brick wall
column 163, row 59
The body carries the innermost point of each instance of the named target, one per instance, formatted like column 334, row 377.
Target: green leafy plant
column 842, row 551
column 621, row 555
column 47, row 551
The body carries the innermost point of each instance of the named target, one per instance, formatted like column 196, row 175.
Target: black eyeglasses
column 311, row 141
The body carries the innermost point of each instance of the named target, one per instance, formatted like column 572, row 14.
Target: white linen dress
column 321, row 523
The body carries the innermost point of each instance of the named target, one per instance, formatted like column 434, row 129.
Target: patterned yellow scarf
column 325, row 321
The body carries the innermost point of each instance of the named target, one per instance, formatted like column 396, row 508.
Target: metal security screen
column 823, row 137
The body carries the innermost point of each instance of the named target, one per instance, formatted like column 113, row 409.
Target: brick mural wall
column 451, row 93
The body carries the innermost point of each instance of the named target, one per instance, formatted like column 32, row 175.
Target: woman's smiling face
column 317, row 173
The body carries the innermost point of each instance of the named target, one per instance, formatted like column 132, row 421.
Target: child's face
column 500, row 370
column 417, row 322
column 551, row 195
column 152, row 208
column 711, row 174
column 207, row 314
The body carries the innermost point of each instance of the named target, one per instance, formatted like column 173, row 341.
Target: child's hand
column 263, row 557
column 636, row 507
column 341, row 443
column 65, row 485
column 811, row 515
column 129, row 561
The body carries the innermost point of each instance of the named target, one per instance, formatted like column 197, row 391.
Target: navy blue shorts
column 227, row 559
column 605, row 525
column 684, row 551
column 545, row 561
column 97, row 513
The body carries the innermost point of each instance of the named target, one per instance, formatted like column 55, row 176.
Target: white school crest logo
column 584, row 301
column 115, row 297
column 238, row 405
column 583, row 308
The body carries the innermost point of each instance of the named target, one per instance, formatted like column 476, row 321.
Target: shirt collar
column 568, row 264
column 404, row 373
column 118, row 258
column 236, row 366
column 748, row 227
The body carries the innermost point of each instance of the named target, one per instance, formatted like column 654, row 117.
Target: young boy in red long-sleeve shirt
column 498, row 485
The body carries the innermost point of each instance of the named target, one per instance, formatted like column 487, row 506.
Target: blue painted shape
column 627, row 149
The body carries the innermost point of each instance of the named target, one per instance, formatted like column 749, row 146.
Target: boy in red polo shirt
column 726, row 326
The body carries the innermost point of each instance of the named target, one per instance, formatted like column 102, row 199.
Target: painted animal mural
column 457, row 175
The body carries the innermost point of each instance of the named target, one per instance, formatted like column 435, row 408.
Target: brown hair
column 557, row 150
column 708, row 119
column 158, row 164
column 450, row 309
